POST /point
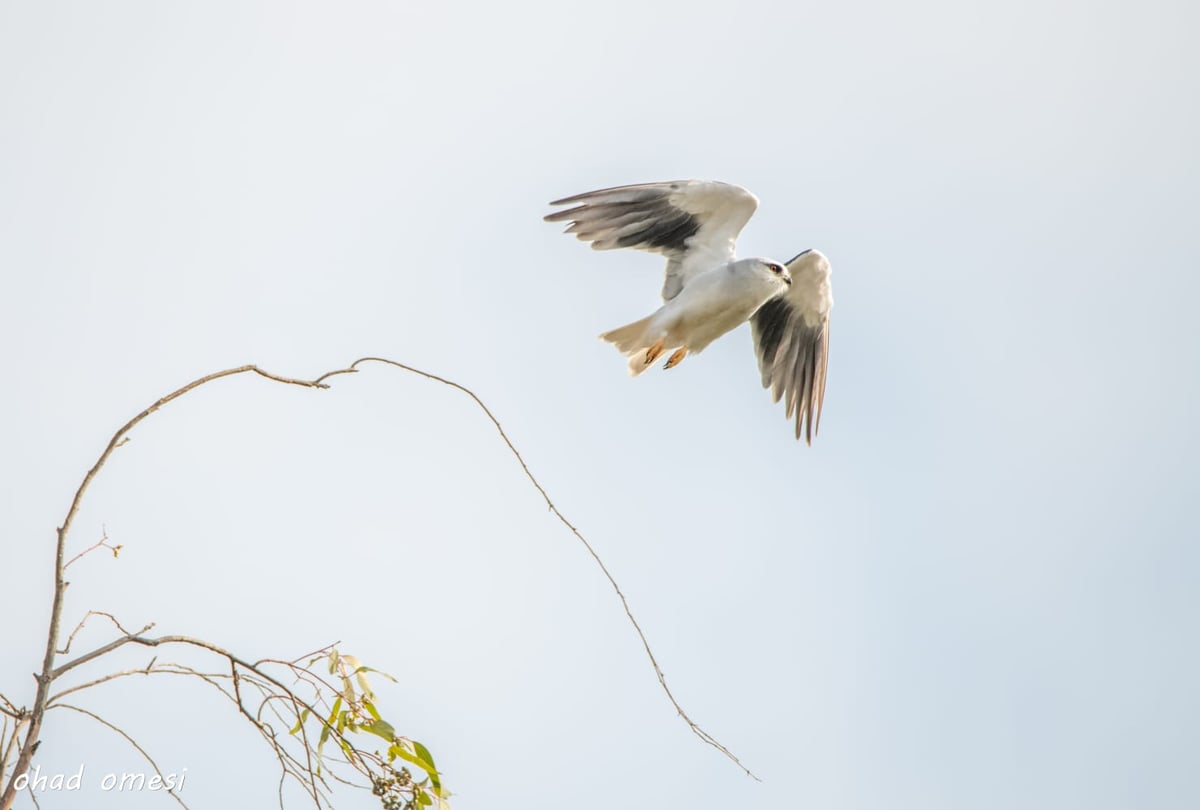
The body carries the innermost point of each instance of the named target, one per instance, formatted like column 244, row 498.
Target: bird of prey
column 708, row 292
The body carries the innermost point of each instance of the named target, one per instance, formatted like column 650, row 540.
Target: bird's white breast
column 716, row 302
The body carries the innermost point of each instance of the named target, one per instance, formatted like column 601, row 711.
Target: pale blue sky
column 978, row 587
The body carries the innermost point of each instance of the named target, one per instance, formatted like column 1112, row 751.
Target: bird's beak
column 787, row 278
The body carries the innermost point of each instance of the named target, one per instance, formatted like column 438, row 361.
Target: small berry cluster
column 394, row 789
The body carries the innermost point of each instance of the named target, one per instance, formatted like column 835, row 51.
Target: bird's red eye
column 776, row 269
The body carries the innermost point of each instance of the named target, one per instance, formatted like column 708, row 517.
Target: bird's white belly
column 711, row 305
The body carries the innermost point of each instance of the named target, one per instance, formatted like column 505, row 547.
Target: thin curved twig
column 160, row 669
column 128, row 739
column 71, row 638
column 699, row 732
column 101, row 543
column 7, row 742
column 303, row 772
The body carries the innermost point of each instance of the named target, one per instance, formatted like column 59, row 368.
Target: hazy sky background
column 977, row 589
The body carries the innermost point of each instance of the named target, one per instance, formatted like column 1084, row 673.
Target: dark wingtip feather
column 566, row 213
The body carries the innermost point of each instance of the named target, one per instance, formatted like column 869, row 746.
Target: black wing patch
column 645, row 219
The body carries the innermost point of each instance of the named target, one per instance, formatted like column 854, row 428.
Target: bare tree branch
column 65, row 650
column 304, row 772
column 271, row 687
column 268, row 732
column 101, row 543
column 7, row 742
column 96, row 653
column 128, row 739
column 166, row 668
column 11, row 748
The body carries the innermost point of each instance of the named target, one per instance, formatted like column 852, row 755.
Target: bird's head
column 774, row 271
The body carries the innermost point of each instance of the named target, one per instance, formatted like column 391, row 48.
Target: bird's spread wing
column 695, row 223
column 791, row 337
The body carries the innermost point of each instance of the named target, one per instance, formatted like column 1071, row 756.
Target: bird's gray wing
column 791, row 338
column 695, row 223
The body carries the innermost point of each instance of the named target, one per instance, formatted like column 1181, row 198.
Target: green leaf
column 381, row 728
column 334, row 714
column 300, row 722
column 370, row 707
column 404, row 754
column 423, row 753
column 423, row 799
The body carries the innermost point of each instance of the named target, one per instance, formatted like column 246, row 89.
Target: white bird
column 708, row 292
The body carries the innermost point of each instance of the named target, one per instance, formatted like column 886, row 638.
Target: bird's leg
column 655, row 351
column 677, row 357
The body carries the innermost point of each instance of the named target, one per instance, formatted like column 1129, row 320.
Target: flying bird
column 708, row 291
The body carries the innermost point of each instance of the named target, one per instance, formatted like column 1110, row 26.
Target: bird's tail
column 633, row 340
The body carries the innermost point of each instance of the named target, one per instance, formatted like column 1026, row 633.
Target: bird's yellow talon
column 655, row 351
column 677, row 357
